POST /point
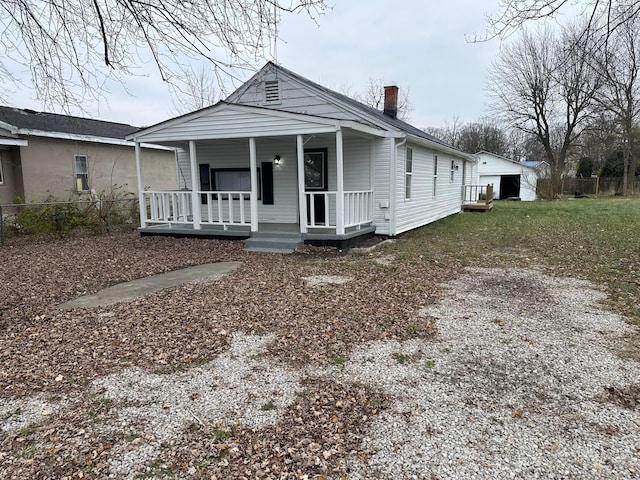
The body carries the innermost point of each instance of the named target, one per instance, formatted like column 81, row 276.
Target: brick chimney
column 391, row 101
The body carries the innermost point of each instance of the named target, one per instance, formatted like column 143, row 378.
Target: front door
column 315, row 181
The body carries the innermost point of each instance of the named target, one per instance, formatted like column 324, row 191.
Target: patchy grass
column 595, row 239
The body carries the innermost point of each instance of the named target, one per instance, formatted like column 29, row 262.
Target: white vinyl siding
column 424, row 208
column 382, row 186
column 294, row 97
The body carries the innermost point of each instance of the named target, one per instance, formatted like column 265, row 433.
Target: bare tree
column 199, row 90
column 483, row 135
column 604, row 17
column 618, row 65
column 450, row 133
column 543, row 85
column 72, row 48
column 374, row 97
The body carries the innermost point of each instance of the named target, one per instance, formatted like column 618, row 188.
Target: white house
column 284, row 154
column 510, row 179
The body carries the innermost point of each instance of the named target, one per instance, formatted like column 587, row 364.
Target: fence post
column 1, row 227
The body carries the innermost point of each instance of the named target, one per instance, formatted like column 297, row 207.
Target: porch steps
column 273, row 242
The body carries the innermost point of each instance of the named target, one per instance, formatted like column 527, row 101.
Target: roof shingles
column 53, row 122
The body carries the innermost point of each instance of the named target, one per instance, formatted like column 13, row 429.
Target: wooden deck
column 484, row 202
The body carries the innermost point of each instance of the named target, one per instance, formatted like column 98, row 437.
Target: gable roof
column 505, row 159
column 374, row 116
column 534, row 163
column 24, row 121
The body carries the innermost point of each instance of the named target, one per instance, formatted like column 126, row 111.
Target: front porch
column 267, row 232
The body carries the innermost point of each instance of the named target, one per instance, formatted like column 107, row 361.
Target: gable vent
column 271, row 91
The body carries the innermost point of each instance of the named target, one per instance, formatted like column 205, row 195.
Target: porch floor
column 318, row 236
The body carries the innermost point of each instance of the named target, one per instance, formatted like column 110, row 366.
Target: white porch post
column 143, row 207
column 254, row 184
column 195, row 201
column 302, row 201
column 340, row 184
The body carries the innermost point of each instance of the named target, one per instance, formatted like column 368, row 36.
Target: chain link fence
column 62, row 218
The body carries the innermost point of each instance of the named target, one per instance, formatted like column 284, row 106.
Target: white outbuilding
column 510, row 179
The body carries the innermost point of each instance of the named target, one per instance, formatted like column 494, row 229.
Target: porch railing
column 226, row 208
column 358, row 208
column 168, row 207
column 476, row 193
column 217, row 208
column 357, row 205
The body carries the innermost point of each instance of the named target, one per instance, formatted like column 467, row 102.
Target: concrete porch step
column 273, row 242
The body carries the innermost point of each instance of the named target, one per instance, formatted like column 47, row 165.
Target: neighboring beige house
column 46, row 155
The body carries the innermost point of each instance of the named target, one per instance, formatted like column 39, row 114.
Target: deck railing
column 357, row 205
column 475, row 193
column 358, row 208
column 168, row 207
column 234, row 208
column 217, row 208
column 226, row 208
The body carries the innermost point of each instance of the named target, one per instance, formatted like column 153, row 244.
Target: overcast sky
column 421, row 46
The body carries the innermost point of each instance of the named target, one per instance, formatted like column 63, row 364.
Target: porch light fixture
column 276, row 160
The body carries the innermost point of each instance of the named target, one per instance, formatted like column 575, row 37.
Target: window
column 81, row 172
column 233, row 180
column 408, row 172
column 453, row 170
column 272, row 91
column 435, row 174
column 315, row 169
column 1, row 172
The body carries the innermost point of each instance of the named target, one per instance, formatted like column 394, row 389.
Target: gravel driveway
column 491, row 374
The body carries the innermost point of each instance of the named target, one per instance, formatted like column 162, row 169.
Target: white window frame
column 453, row 171
column 408, row 173
column 1, row 170
column 435, row 174
column 78, row 175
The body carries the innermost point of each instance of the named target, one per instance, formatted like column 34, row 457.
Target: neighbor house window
column 272, row 91
column 81, row 173
column 408, row 172
column 435, row 174
column 453, row 170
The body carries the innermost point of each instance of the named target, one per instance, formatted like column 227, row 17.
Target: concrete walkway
column 144, row 286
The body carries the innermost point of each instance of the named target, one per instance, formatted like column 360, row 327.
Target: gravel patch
column 514, row 386
column 240, row 387
column 20, row 413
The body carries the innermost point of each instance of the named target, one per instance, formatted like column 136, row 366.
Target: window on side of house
column 233, row 180
column 435, row 174
column 408, row 172
column 1, row 171
column 272, row 91
column 81, row 172
column 453, row 170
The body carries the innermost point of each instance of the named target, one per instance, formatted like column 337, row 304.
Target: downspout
column 394, row 184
